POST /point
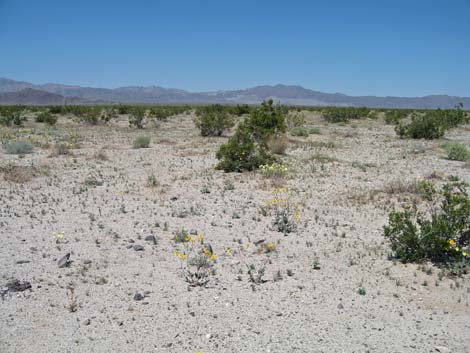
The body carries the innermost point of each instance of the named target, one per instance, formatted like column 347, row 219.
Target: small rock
column 340, row 306
column 174, row 198
column 87, row 322
column 64, row 261
column 442, row 349
column 151, row 238
column 20, row 262
column 138, row 296
column 138, row 247
column 86, row 262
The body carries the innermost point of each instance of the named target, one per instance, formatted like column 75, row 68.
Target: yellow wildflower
column 229, row 250
column 464, row 253
column 200, row 236
column 192, row 240
column 182, row 256
column 271, row 246
column 213, row 257
column 207, row 252
column 457, row 248
column 452, row 242
column 59, row 235
column 187, row 238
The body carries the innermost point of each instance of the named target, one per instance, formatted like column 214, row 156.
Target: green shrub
column 46, row 117
column 247, row 149
column 242, row 152
column 393, row 117
column 212, row 120
column 456, row 151
column 18, row 147
column 299, row 131
column 444, row 237
column 142, row 142
column 295, row 120
column 136, row 117
column 11, row 116
column 428, row 126
column 266, row 120
column 340, row 114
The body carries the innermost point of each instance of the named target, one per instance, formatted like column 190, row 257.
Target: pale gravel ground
column 300, row 313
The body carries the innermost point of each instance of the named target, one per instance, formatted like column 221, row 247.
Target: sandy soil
column 99, row 199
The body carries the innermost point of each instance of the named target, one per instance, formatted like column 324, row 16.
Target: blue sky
column 379, row 47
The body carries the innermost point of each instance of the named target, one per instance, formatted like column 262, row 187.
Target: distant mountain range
column 17, row 92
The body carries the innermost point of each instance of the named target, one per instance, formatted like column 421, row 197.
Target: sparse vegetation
column 141, row 142
column 442, row 238
column 213, row 120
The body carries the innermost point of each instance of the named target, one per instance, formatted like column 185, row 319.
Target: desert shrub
column 242, row 152
column 393, row 117
column 18, row 147
column 426, row 189
column 241, row 109
column 266, row 120
column 299, row 131
column 57, row 109
column 61, row 149
column 11, row 116
column 212, row 120
column 108, row 114
column 314, row 131
column 46, row 117
column 278, row 143
column 136, row 117
column 141, row 142
column 340, row 114
column 90, row 115
column 444, row 237
column 294, row 120
column 428, row 126
column 247, row 148
column 123, row 109
column 456, row 151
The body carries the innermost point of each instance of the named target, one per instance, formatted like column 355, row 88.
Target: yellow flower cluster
column 453, row 244
column 273, row 170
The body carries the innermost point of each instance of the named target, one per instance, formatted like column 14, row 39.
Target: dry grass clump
column 278, row 143
column 20, row 174
column 400, row 187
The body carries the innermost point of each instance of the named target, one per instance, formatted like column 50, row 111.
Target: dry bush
column 20, row 174
column 400, row 187
column 278, row 143
column 100, row 155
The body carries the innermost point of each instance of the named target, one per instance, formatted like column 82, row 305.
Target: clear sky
column 379, row 47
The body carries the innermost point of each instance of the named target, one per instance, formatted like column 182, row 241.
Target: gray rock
column 138, row 247
column 138, row 296
column 64, row 261
column 151, row 238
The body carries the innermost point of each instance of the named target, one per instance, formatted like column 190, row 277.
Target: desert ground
column 329, row 286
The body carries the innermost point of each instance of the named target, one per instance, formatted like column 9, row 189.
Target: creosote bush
column 213, row 120
column 431, row 124
column 443, row 237
column 247, row 149
column 46, row 117
column 136, row 117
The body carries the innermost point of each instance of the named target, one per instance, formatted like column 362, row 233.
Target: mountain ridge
column 284, row 94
